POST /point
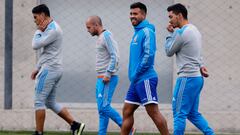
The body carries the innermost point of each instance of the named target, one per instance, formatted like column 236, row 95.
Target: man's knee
column 103, row 109
column 128, row 110
column 194, row 114
column 127, row 113
column 54, row 107
column 39, row 105
column 152, row 110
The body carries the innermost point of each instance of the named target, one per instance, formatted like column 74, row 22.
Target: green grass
column 60, row 133
column 68, row 133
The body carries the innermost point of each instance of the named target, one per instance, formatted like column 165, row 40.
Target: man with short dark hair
column 141, row 73
column 47, row 41
column 185, row 42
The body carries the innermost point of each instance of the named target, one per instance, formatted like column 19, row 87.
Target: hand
column 34, row 74
column 42, row 26
column 106, row 79
column 204, row 71
column 170, row 27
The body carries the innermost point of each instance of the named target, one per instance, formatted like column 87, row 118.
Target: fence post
column 8, row 54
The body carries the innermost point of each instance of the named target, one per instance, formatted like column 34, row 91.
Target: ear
column 143, row 13
column 43, row 15
column 180, row 15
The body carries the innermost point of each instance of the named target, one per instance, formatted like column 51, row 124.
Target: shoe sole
column 81, row 128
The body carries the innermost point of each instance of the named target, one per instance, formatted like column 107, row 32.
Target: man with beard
column 141, row 73
column 185, row 42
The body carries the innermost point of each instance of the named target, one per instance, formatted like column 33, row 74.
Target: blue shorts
column 143, row 93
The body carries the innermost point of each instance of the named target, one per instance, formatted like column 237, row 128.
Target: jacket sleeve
column 111, row 46
column 148, row 53
column 173, row 43
column 41, row 39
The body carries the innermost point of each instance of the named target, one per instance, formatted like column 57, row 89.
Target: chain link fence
column 218, row 21
column 79, row 52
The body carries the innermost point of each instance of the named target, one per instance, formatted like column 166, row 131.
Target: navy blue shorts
column 143, row 93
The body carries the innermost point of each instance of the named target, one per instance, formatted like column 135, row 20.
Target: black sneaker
column 36, row 133
column 77, row 128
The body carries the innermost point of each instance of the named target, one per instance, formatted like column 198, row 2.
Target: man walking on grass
column 185, row 42
column 143, row 77
column 47, row 41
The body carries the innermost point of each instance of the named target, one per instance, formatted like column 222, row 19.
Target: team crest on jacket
column 135, row 39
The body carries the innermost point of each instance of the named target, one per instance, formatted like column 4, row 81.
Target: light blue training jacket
column 49, row 47
column 142, row 53
column 107, row 54
column 186, row 44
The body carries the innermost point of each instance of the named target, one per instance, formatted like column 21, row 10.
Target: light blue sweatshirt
column 186, row 44
column 49, row 46
column 142, row 53
column 107, row 54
